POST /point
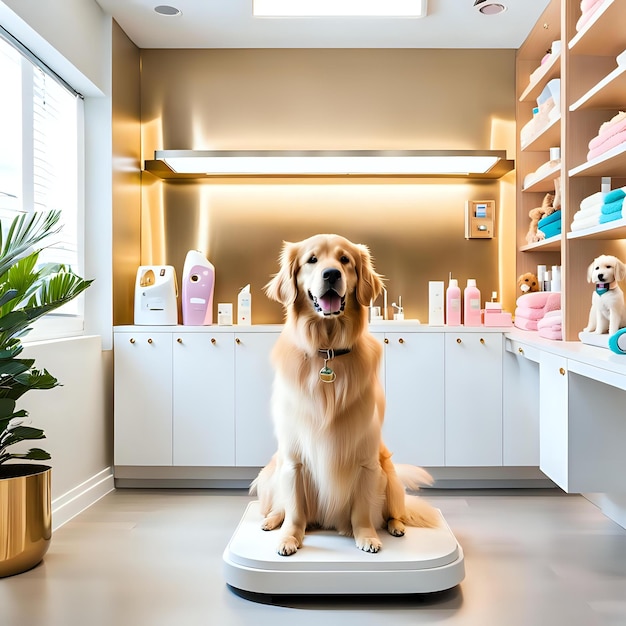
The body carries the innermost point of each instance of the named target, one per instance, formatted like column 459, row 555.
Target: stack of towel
column 588, row 8
column 532, row 307
column 589, row 214
column 612, row 206
column 550, row 325
column 610, row 135
column 551, row 224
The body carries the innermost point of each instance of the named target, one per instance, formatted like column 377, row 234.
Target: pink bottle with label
column 198, row 286
column 453, row 303
column 472, row 314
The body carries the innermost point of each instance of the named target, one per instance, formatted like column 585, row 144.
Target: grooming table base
column 424, row 560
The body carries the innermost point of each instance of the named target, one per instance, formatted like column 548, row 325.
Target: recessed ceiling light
column 166, row 9
column 339, row 8
column 489, row 8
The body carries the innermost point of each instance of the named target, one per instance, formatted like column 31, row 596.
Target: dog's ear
column 620, row 270
column 370, row 284
column 283, row 287
column 590, row 271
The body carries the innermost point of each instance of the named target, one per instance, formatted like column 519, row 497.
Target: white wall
column 78, row 417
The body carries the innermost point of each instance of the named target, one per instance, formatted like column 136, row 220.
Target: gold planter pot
column 25, row 516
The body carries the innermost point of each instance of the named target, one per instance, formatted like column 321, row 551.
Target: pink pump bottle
column 453, row 303
column 472, row 315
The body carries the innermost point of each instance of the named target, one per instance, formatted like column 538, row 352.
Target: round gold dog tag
column 327, row 375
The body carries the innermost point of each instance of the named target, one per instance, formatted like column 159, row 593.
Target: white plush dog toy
column 608, row 311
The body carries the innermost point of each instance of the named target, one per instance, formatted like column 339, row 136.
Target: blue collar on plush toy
column 604, row 287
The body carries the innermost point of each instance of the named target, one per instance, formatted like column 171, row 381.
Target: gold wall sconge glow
column 412, row 163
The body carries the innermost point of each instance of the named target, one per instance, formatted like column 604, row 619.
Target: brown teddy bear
column 546, row 208
column 528, row 283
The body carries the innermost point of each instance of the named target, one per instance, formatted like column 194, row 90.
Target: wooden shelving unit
column 593, row 90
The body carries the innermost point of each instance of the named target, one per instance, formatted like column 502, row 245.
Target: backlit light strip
column 327, row 163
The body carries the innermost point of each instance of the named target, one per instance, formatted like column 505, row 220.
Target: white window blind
column 40, row 135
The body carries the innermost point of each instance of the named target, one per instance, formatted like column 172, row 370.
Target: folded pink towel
column 539, row 300
column 610, row 143
column 608, row 129
column 524, row 324
column 548, row 333
column 551, row 321
column 528, row 313
column 588, row 12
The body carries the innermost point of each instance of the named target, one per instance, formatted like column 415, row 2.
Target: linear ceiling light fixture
column 339, row 8
column 329, row 163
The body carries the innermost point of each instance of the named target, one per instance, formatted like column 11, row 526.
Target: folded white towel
column 588, row 222
column 592, row 199
column 583, row 214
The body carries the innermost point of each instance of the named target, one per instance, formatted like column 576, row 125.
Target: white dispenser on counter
column 156, row 291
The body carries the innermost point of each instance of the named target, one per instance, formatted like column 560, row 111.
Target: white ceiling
column 229, row 24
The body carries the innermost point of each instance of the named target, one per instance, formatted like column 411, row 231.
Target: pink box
column 498, row 318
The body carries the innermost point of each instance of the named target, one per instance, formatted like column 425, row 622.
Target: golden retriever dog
column 608, row 312
column 332, row 469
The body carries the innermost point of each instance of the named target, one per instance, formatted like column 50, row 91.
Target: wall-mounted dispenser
column 479, row 217
column 155, row 296
column 198, row 287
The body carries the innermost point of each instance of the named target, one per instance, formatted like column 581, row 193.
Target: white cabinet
column 143, row 399
column 520, row 407
column 414, row 380
column 254, row 376
column 473, row 398
column 203, row 416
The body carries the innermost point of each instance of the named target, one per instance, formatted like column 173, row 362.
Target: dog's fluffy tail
column 419, row 513
column 413, row 477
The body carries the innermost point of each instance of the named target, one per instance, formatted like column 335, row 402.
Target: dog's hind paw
column 369, row 544
column 395, row 527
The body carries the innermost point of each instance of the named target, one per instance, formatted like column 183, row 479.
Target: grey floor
column 138, row 557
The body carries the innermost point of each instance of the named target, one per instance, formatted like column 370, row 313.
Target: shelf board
column 553, row 244
column 546, row 139
column 611, row 230
column 604, row 34
column 546, row 182
column 550, row 69
column 611, row 163
column 609, row 93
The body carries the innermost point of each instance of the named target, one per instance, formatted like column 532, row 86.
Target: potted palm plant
column 28, row 291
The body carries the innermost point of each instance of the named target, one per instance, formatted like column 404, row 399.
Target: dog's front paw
column 272, row 521
column 369, row 544
column 395, row 527
column 288, row 546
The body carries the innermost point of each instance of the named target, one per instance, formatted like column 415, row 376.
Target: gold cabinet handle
column 482, row 341
column 520, row 350
column 213, row 340
column 385, row 340
column 180, row 340
column 132, row 340
column 458, row 340
column 150, row 340
column 400, row 340
column 237, row 340
column 562, row 371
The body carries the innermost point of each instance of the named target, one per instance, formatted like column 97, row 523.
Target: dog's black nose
column 331, row 276
column 601, row 277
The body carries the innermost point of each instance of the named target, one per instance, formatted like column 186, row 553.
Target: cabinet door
column 254, row 375
column 204, row 399
column 553, row 418
column 414, row 385
column 473, row 414
column 143, row 399
column 520, row 402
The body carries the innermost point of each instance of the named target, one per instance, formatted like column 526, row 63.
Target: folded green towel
column 612, row 207
column 550, row 230
column 549, row 219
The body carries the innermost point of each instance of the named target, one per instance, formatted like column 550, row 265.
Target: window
column 40, row 135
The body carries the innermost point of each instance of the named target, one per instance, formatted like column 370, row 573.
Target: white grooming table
column 424, row 560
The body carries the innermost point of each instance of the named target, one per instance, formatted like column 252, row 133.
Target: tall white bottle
column 471, row 297
column 453, row 303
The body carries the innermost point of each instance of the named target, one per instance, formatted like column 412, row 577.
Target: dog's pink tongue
column 330, row 302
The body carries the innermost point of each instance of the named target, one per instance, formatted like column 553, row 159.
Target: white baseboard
column 70, row 504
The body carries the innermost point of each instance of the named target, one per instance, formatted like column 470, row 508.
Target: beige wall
column 323, row 99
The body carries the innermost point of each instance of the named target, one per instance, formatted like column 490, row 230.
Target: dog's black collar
column 328, row 354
